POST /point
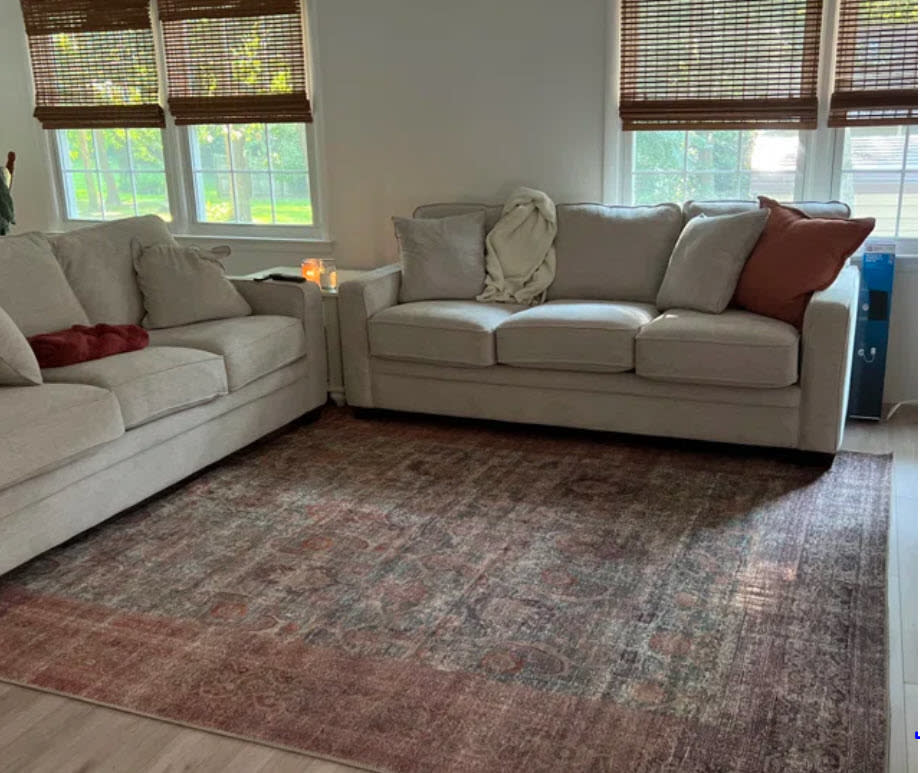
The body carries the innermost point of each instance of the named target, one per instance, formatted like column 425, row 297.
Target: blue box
column 870, row 350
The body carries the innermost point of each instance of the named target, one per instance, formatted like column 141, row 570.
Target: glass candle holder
column 328, row 276
column 310, row 269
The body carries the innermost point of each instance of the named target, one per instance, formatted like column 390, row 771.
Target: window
column 112, row 173
column 719, row 99
column 238, row 81
column 680, row 165
column 251, row 173
column 236, row 156
column 878, row 177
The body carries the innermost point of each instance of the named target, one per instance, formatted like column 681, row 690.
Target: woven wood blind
column 93, row 63
column 719, row 64
column 875, row 80
column 235, row 61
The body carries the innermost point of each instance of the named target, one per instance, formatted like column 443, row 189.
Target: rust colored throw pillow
column 795, row 256
column 82, row 343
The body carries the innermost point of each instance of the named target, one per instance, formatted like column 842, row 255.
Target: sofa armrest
column 359, row 300
column 827, row 358
column 303, row 301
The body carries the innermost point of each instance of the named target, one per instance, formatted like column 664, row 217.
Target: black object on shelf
column 281, row 278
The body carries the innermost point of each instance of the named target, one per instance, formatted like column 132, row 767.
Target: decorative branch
column 11, row 166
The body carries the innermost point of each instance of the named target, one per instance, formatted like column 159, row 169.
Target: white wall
column 438, row 100
column 430, row 100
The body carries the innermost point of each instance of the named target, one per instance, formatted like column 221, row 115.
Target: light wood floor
column 43, row 733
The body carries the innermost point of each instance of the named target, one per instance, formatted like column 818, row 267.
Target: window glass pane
column 658, row 188
column 101, row 171
column 292, row 199
column 112, row 145
column 710, row 185
column 77, row 149
column 713, row 151
column 147, row 149
column 289, row 146
column 151, row 194
column 249, row 148
column 211, row 148
column 714, row 165
column 252, row 174
column 82, row 193
column 118, row 197
column 659, row 151
column 215, row 198
column 253, row 198
column 776, row 185
column 873, row 194
column 879, row 177
column 874, row 148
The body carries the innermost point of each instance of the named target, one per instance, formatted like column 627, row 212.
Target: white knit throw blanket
column 520, row 256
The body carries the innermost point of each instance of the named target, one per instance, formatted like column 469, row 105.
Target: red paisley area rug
column 411, row 594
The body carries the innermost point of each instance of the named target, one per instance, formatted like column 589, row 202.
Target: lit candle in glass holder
column 310, row 268
column 328, row 276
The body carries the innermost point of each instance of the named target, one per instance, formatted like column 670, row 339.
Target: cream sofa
column 599, row 354
column 100, row 436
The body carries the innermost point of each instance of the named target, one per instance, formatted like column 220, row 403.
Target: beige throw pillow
column 442, row 258
column 182, row 285
column 18, row 365
column 708, row 259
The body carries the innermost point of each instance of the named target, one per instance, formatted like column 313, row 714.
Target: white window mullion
column 819, row 146
column 132, row 172
column 738, row 171
column 271, row 178
column 97, row 171
column 901, row 181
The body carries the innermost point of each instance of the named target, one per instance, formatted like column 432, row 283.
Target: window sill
column 263, row 244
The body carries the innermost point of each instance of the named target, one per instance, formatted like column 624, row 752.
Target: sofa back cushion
column 33, row 289
column 824, row 209
column 613, row 253
column 492, row 211
column 18, row 364
column 99, row 264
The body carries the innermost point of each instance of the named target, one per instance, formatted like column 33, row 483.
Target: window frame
column 819, row 167
column 180, row 183
column 313, row 232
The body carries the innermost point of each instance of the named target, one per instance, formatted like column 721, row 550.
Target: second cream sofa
column 599, row 354
column 100, row 436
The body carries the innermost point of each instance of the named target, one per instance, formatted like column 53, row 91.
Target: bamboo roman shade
column 876, row 73
column 93, row 63
column 719, row 64
column 235, row 61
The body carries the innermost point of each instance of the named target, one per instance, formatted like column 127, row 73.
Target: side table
column 336, row 380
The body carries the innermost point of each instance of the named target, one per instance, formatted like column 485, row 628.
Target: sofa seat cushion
column 735, row 348
column 41, row 427
column 151, row 383
column 252, row 347
column 574, row 335
column 449, row 332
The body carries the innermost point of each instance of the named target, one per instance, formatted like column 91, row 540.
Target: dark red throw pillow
column 82, row 343
column 795, row 256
